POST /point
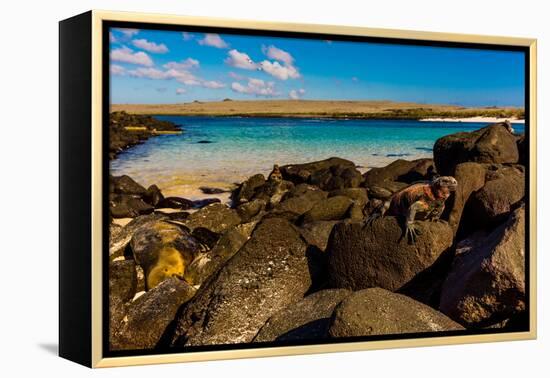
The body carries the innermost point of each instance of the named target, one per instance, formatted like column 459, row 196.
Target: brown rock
column 380, row 312
column 216, row 217
column 487, row 281
column 149, row 315
column 504, row 189
column 491, row 144
column 267, row 274
column 378, row 256
column 470, row 178
column 308, row 319
column 333, row 208
column 317, row 233
column 122, row 287
column 400, row 170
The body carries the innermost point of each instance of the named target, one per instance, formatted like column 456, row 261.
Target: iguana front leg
column 378, row 213
column 436, row 212
column 411, row 229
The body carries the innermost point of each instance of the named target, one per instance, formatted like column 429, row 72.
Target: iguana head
column 276, row 174
column 442, row 186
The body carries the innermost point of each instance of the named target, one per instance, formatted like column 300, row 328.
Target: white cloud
column 236, row 76
column 187, row 36
column 239, row 59
column 149, row 73
column 112, row 38
column 296, row 94
column 282, row 72
column 213, row 40
column 255, row 87
column 150, row 46
column 186, row 64
column 128, row 32
column 127, row 55
column 180, row 91
column 115, row 69
column 213, row 84
column 275, row 53
column 181, row 76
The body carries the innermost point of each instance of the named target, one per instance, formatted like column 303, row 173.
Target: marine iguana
column 419, row 201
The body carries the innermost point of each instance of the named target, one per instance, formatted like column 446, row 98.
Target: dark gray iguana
column 424, row 200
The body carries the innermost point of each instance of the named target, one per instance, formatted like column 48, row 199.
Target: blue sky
column 149, row 66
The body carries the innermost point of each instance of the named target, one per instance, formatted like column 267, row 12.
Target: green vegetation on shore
column 314, row 108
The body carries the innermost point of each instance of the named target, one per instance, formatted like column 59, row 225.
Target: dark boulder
column 128, row 206
column 317, row 233
column 306, row 320
column 216, row 217
column 267, row 274
column 206, row 264
column 378, row 256
column 210, row 190
column 178, row 216
column 302, row 173
column 149, row 316
column 491, row 144
column 504, row 189
column 246, row 190
column 336, row 177
column 122, row 288
column 248, row 210
column 358, row 195
column 470, row 178
column 205, row 237
column 377, row 311
column 378, row 192
column 153, row 195
column 400, row 170
column 163, row 250
column 126, row 185
column 272, row 192
column 310, row 192
column 199, row 204
column 175, row 203
column 487, row 281
column 333, row 208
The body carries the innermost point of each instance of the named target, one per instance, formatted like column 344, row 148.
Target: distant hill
column 318, row 108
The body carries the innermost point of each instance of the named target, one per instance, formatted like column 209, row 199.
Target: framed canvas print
column 234, row 189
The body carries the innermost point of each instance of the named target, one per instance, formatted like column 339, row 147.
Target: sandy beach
column 473, row 119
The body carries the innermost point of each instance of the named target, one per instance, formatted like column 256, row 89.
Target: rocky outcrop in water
column 127, row 130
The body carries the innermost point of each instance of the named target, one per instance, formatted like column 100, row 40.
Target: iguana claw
column 370, row 220
column 411, row 232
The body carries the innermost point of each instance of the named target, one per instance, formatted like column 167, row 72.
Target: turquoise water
column 240, row 147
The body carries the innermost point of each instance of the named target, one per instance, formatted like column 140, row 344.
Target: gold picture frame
column 93, row 26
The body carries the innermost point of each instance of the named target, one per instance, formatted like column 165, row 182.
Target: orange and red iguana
column 422, row 201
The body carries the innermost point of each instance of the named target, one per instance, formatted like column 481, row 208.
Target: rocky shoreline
column 127, row 130
column 292, row 258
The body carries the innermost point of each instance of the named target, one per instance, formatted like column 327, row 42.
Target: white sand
column 473, row 119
